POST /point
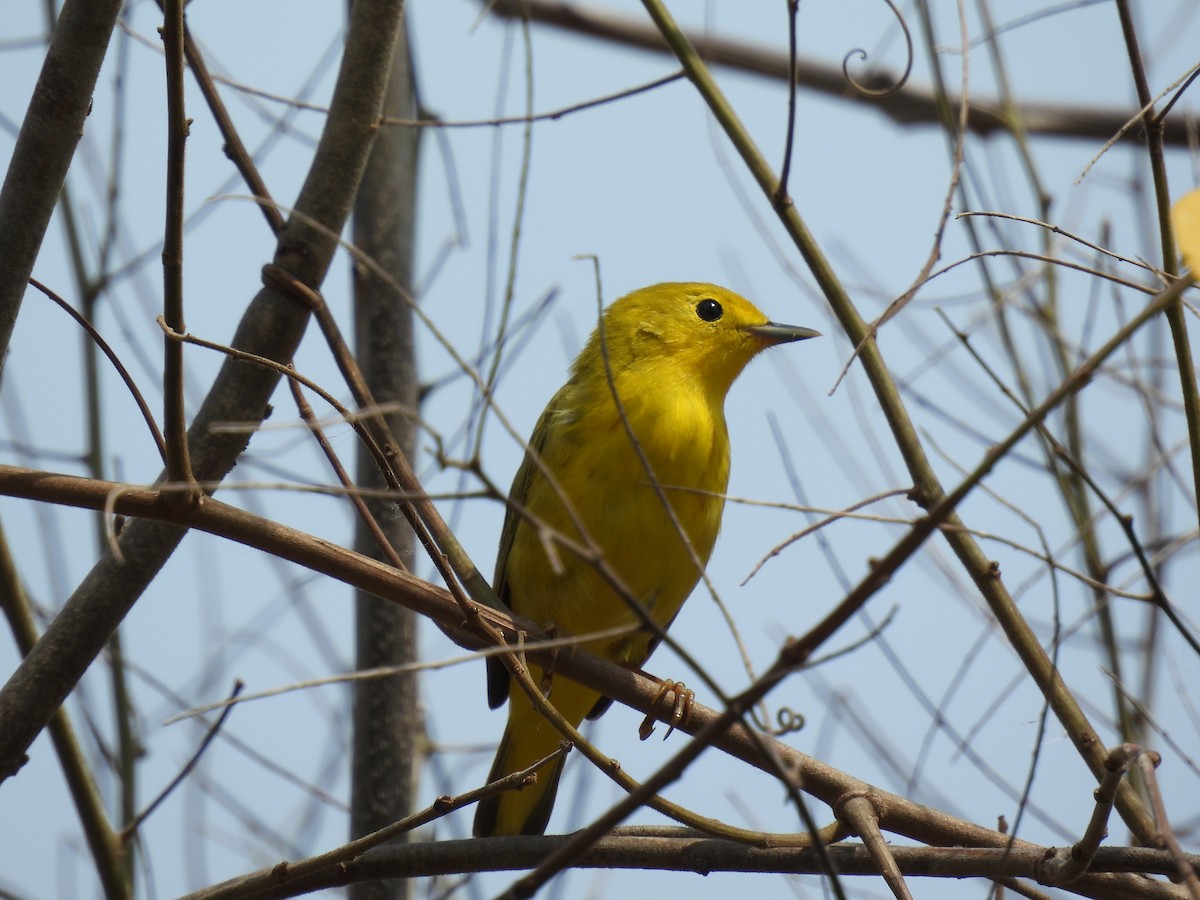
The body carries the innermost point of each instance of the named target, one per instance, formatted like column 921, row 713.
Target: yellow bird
column 673, row 351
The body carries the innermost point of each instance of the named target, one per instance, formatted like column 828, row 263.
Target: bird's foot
column 681, row 708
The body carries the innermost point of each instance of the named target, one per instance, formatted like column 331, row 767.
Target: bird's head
column 696, row 331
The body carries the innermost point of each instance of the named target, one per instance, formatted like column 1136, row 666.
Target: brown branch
column 908, row 106
column 235, row 150
column 1064, row 866
column 179, row 464
column 681, row 852
column 858, row 811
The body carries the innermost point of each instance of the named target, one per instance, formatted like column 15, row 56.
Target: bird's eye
column 709, row 310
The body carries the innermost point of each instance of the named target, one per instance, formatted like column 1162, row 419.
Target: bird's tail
column 524, row 811
column 528, row 737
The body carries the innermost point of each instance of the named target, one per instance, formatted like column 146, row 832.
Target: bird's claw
column 547, row 680
column 681, row 708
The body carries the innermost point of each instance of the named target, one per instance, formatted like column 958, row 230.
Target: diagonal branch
column 46, row 144
column 272, row 326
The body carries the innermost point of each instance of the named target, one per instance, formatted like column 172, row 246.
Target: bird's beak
column 773, row 333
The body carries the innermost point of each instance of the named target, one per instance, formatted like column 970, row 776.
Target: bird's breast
column 640, row 496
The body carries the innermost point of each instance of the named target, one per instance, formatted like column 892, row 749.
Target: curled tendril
column 862, row 55
column 787, row 721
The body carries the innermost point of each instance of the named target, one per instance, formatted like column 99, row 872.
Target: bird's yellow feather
column 659, row 366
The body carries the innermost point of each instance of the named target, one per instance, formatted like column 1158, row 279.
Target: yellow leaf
column 1186, row 218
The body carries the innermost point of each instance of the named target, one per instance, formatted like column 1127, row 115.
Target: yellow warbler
column 667, row 355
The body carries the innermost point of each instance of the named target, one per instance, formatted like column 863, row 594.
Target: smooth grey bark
column 388, row 727
column 50, row 131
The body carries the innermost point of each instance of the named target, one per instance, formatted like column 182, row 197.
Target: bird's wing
column 518, row 495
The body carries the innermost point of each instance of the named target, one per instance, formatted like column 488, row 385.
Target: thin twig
column 179, row 465
column 122, row 372
column 360, row 506
column 552, row 116
column 131, row 829
column 234, row 148
column 781, row 197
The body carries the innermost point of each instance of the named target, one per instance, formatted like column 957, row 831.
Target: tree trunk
column 387, row 721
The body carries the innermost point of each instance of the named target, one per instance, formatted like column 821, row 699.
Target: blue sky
column 651, row 188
